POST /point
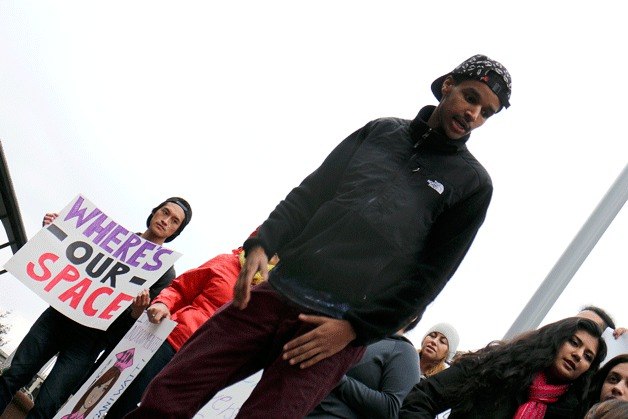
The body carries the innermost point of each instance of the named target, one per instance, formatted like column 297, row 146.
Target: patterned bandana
column 480, row 67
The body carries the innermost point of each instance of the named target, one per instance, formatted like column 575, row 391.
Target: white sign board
column 87, row 266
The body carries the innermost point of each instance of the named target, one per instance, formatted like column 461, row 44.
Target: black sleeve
column 162, row 283
column 433, row 395
column 292, row 214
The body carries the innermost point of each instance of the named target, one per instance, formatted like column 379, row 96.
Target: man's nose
column 472, row 113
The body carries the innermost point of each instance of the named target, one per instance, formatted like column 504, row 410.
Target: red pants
column 231, row 346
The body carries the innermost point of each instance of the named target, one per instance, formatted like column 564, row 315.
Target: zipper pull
column 423, row 137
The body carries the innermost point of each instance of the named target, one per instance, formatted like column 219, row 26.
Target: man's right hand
column 256, row 260
column 157, row 312
column 49, row 218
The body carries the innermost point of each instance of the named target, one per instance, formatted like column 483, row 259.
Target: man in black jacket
column 365, row 243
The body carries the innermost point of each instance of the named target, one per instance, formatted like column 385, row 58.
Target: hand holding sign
column 157, row 312
column 49, row 218
column 140, row 302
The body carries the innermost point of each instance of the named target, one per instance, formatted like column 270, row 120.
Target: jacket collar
column 424, row 136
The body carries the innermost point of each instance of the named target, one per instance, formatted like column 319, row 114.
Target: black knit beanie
column 187, row 210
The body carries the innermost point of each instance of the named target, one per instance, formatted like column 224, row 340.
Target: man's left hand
column 328, row 338
column 140, row 302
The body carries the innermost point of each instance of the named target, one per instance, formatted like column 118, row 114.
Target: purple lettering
column 113, row 237
column 96, row 227
column 132, row 241
column 139, row 253
column 79, row 213
column 156, row 259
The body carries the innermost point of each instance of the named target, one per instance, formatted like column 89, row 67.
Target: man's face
column 464, row 107
column 167, row 220
column 593, row 316
column 616, row 383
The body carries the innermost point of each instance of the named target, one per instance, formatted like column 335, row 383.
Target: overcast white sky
column 231, row 104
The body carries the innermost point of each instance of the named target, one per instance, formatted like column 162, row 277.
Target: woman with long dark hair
column 611, row 381
column 544, row 373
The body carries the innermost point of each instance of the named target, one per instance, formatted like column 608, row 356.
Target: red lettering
column 69, row 273
column 46, row 274
column 76, row 292
column 114, row 305
column 88, row 308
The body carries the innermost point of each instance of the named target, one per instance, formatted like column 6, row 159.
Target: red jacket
column 194, row 296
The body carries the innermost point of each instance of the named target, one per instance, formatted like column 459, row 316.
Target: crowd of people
column 320, row 296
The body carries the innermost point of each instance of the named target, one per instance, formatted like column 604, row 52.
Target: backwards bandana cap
column 481, row 68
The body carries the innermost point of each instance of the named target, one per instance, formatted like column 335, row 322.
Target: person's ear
column 447, row 86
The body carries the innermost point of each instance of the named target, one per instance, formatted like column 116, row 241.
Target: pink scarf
column 540, row 394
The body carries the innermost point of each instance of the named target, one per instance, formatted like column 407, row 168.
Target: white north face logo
column 436, row 185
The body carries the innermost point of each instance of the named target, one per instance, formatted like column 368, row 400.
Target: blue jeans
column 76, row 347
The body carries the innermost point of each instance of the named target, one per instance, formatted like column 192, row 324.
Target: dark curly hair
column 511, row 366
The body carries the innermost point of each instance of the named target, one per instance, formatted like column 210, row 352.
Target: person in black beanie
column 77, row 346
column 187, row 211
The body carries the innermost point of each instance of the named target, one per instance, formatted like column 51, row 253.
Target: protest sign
column 227, row 403
column 87, row 266
column 614, row 346
column 122, row 365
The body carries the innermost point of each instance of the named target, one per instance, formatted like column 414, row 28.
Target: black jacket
column 436, row 394
column 375, row 233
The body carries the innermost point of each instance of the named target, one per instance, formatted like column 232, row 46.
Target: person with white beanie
column 438, row 346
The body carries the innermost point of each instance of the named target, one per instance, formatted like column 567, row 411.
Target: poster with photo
column 124, row 363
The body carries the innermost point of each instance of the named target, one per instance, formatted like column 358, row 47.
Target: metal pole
column 570, row 261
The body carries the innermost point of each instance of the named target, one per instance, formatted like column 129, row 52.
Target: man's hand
column 256, row 260
column 618, row 332
column 157, row 312
column 328, row 338
column 140, row 303
column 49, row 218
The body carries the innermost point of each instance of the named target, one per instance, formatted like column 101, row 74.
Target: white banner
column 614, row 346
column 87, row 266
column 124, row 363
column 227, row 402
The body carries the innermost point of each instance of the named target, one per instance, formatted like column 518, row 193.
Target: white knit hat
column 450, row 333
